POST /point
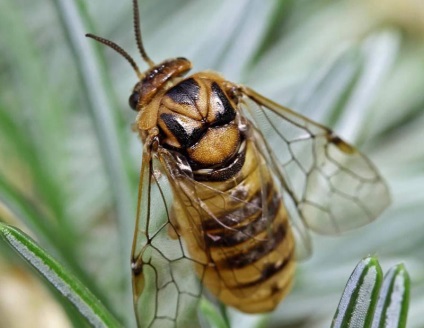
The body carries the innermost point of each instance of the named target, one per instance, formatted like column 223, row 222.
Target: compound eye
column 133, row 101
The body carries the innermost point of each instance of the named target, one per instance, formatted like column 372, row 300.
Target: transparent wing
column 202, row 239
column 165, row 287
column 333, row 187
column 240, row 228
column 300, row 231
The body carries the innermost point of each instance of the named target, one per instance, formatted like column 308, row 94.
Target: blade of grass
column 23, row 209
column 393, row 302
column 30, row 121
column 74, row 20
column 379, row 52
column 359, row 298
column 9, row 254
column 37, row 121
column 64, row 282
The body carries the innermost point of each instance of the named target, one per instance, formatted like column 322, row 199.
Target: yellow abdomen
column 239, row 237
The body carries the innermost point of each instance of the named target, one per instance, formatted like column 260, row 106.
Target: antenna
column 119, row 50
column 137, row 31
column 138, row 39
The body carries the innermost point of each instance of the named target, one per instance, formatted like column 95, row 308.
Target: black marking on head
column 226, row 112
column 187, row 136
column 186, row 92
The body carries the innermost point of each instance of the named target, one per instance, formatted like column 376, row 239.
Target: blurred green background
column 69, row 161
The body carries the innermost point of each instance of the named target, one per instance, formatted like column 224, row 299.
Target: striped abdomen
column 244, row 237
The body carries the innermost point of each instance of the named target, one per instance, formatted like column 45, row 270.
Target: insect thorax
column 195, row 116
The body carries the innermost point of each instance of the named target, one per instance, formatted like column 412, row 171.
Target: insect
column 240, row 207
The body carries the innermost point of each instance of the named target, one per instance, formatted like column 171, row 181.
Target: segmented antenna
column 138, row 39
column 137, row 31
column 119, row 50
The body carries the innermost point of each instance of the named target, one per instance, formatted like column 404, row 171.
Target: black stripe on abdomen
column 268, row 271
column 259, row 250
column 230, row 234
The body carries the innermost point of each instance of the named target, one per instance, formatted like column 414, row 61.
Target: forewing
column 238, row 234
column 166, row 290
column 333, row 186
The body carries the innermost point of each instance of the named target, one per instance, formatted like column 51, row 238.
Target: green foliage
column 64, row 282
column 368, row 301
column 69, row 162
